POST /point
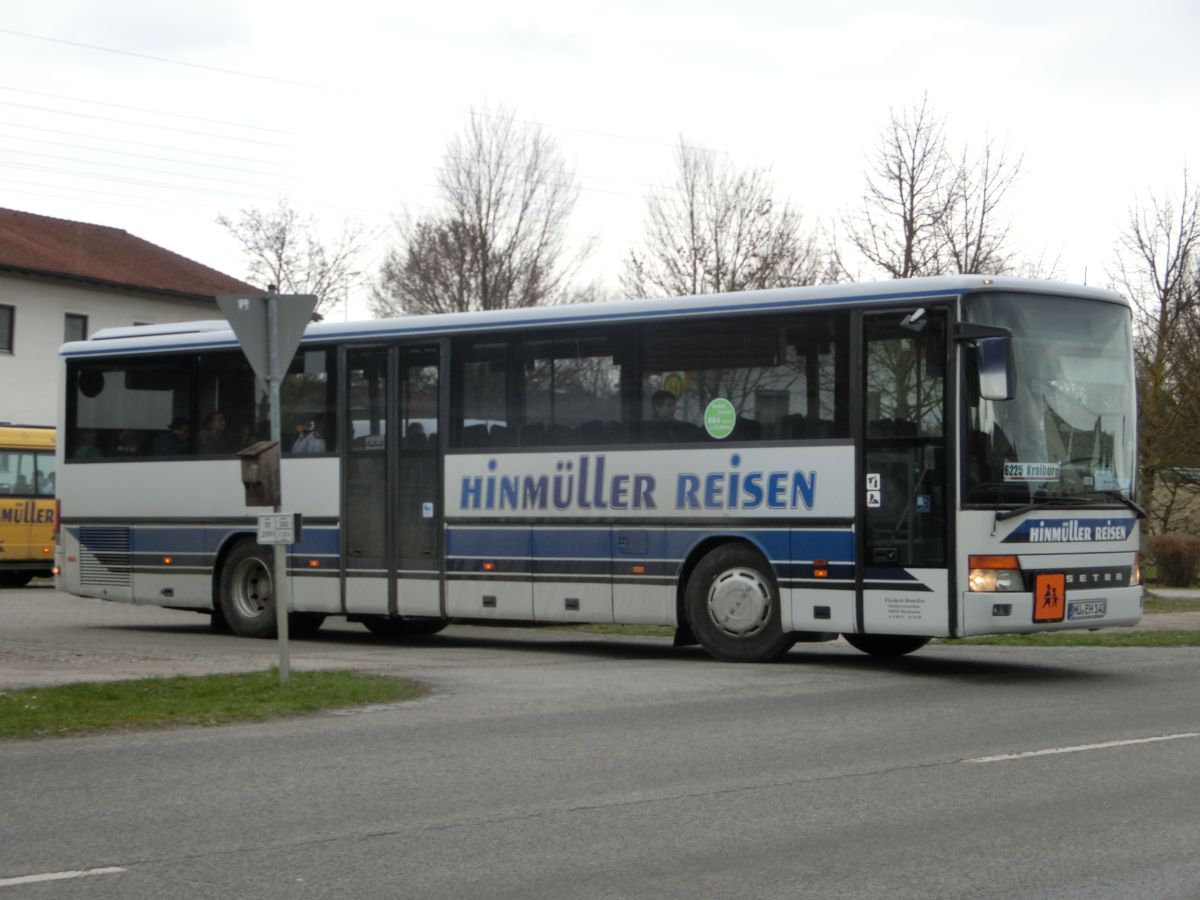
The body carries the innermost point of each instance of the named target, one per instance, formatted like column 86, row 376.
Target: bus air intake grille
column 104, row 557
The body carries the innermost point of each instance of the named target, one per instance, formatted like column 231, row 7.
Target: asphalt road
column 547, row 764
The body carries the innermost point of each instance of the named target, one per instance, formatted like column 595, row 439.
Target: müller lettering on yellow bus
column 27, row 512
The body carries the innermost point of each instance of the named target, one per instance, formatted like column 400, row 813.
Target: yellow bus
column 27, row 506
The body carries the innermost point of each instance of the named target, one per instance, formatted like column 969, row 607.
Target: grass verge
column 151, row 703
column 1162, row 605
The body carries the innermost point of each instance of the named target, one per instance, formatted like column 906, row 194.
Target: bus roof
column 217, row 334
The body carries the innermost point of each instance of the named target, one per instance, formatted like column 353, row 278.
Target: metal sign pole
column 269, row 328
column 279, row 582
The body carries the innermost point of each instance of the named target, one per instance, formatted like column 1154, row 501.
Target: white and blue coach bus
column 889, row 462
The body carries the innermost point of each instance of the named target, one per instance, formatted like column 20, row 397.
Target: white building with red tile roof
column 62, row 280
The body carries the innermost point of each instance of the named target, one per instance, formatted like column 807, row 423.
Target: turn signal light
column 820, row 568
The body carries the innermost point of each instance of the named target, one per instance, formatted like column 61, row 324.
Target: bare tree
column 909, row 193
column 976, row 237
column 1158, row 268
column 501, row 242
column 284, row 248
column 923, row 211
column 718, row 228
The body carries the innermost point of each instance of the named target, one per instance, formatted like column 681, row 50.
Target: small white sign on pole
column 279, row 528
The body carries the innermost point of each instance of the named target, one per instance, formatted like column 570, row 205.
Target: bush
column 1176, row 556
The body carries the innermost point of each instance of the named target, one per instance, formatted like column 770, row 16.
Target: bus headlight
column 994, row 574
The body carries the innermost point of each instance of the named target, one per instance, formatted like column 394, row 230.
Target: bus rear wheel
column 732, row 606
column 247, row 593
column 885, row 644
column 15, row 578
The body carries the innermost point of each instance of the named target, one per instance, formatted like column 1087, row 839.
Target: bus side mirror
column 994, row 364
column 994, row 358
column 260, row 473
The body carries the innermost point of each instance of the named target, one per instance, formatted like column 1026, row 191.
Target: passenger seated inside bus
column 127, row 444
column 85, row 444
column 213, row 438
column 662, row 426
column 311, row 438
column 414, row 435
column 175, row 441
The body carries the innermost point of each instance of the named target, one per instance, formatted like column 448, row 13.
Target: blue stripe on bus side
column 314, row 541
column 534, row 550
column 833, row 546
column 159, row 541
column 590, row 550
column 199, row 542
column 490, row 543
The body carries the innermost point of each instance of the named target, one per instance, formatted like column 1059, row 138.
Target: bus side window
column 308, row 395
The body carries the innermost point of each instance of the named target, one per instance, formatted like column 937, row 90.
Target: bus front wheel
column 885, row 644
column 732, row 606
column 247, row 595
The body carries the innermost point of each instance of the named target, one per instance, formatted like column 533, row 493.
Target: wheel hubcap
column 251, row 588
column 739, row 602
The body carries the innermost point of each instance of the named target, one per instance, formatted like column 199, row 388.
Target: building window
column 75, row 327
column 7, row 314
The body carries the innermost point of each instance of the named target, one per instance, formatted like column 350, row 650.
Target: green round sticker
column 719, row 417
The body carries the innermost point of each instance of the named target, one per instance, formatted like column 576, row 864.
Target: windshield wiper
column 1068, row 502
column 1042, row 503
column 1127, row 501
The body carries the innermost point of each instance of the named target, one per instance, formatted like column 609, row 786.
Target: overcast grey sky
column 158, row 117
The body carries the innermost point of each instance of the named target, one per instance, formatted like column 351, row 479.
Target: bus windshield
column 1068, row 433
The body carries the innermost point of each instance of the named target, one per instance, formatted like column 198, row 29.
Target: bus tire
column 15, row 579
column 885, row 644
column 732, row 606
column 247, row 595
column 400, row 627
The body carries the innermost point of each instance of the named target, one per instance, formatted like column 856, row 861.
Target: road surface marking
column 1081, row 747
column 60, row 876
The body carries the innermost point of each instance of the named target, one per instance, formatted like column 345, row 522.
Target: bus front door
column 904, row 540
column 391, row 493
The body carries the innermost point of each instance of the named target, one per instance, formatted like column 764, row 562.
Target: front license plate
column 1087, row 609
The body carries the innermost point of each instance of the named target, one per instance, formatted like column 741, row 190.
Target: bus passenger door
column 904, row 465
column 392, row 490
